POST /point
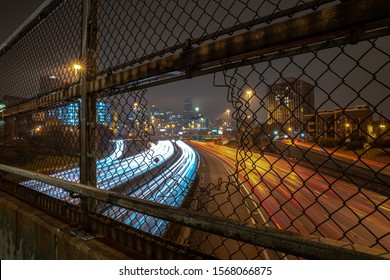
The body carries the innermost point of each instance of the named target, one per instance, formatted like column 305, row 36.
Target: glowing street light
column 249, row 93
column 77, row 68
column 228, row 113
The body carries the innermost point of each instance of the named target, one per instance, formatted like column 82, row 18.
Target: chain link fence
column 304, row 147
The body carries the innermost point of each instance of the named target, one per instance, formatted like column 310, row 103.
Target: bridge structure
column 305, row 175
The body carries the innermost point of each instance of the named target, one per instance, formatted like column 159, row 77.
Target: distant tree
column 382, row 142
column 104, row 137
column 356, row 142
column 328, row 142
column 262, row 134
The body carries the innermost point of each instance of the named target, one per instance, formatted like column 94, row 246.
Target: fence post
column 88, row 103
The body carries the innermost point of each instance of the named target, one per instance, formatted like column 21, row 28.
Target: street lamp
column 228, row 113
column 77, row 68
column 249, row 92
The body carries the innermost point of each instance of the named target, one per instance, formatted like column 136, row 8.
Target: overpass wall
column 29, row 233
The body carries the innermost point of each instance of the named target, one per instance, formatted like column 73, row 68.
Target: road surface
column 287, row 196
column 228, row 200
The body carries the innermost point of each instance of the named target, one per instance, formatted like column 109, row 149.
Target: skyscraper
column 188, row 114
column 288, row 101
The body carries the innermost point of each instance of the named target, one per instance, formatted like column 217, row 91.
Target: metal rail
column 327, row 24
column 306, row 246
column 39, row 15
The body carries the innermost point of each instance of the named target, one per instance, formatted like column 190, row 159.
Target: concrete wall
column 29, row 233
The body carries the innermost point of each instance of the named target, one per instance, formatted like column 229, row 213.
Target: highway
column 266, row 190
column 112, row 170
column 285, row 195
column 359, row 161
column 169, row 187
column 224, row 199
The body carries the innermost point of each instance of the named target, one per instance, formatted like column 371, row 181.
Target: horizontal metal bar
column 212, row 36
column 306, row 246
column 251, row 61
column 327, row 24
column 43, row 101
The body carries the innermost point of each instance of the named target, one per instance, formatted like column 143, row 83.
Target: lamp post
column 77, row 69
column 228, row 113
column 249, row 93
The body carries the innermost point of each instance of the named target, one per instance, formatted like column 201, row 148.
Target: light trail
column 73, row 174
column 112, row 170
column 170, row 188
column 300, row 199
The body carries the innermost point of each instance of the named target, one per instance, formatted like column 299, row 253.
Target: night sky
column 212, row 100
column 13, row 13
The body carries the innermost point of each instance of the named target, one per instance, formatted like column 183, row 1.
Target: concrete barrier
column 29, row 233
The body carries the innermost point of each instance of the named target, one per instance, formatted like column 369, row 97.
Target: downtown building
column 289, row 100
column 342, row 123
column 188, row 113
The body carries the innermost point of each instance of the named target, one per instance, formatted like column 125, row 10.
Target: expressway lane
column 298, row 199
column 112, row 170
column 169, row 187
column 227, row 200
column 361, row 161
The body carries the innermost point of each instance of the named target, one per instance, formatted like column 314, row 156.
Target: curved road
column 291, row 197
column 225, row 199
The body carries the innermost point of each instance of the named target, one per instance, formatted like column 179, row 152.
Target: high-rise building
column 288, row 101
column 188, row 114
column 154, row 111
column 70, row 114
